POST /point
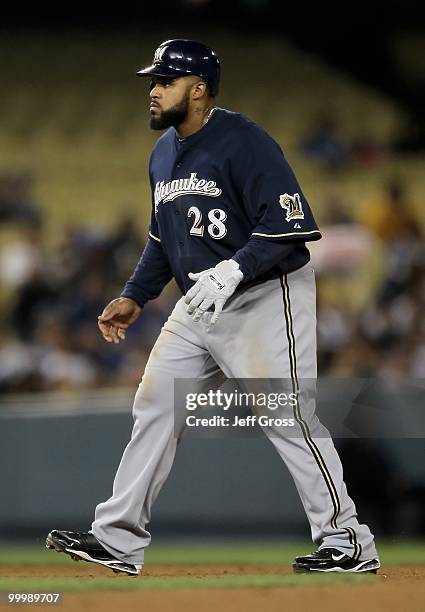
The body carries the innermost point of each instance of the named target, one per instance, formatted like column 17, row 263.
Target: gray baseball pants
column 266, row 331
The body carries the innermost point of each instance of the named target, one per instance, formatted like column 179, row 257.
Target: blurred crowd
column 325, row 144
column 51, row 297
column 386, row 337
column 50, row 300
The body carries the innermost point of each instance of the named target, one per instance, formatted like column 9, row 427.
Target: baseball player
column 230, row 224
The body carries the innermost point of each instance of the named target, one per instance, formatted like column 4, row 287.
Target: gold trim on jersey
column 304, row 427
column 154, row 237
column 288, row 234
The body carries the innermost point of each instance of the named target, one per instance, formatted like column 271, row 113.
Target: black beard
column 174, row 116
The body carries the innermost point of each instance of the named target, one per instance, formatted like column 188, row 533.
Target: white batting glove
column 213, row 287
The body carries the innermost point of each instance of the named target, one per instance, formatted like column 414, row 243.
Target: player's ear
column 199, row 90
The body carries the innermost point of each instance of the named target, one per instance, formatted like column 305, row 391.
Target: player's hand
column 213, row 287
column 116, row 318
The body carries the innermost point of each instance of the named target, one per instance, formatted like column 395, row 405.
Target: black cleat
column 333, row 560
column 82, row 545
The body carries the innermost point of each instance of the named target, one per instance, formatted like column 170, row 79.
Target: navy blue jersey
column 217, row 191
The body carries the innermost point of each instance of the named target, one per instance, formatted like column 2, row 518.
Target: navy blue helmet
column 181, row 57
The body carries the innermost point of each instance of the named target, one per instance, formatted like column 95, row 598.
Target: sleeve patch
column 292, row 205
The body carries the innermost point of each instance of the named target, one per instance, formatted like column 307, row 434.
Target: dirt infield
column 393, row 589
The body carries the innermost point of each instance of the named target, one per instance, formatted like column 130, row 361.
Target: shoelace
column 84, row 536
column 322, row 553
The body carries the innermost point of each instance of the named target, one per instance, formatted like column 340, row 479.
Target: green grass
column 216, row 553
column 57, row 585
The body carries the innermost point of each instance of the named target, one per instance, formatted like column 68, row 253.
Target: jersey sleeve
column 259, row 256
column 272, row 197
column 153, row 226
column 153, row 229
column 150, row 276
column 153, row 270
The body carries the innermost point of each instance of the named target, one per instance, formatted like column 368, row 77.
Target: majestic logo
column 167, row 192
column 292, row 205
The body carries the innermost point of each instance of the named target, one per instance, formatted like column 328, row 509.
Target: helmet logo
column 158, row 55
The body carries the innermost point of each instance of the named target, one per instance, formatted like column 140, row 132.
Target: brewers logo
column 158, row 54
column 292, row 205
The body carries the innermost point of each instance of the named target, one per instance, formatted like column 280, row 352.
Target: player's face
column 169, row 102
